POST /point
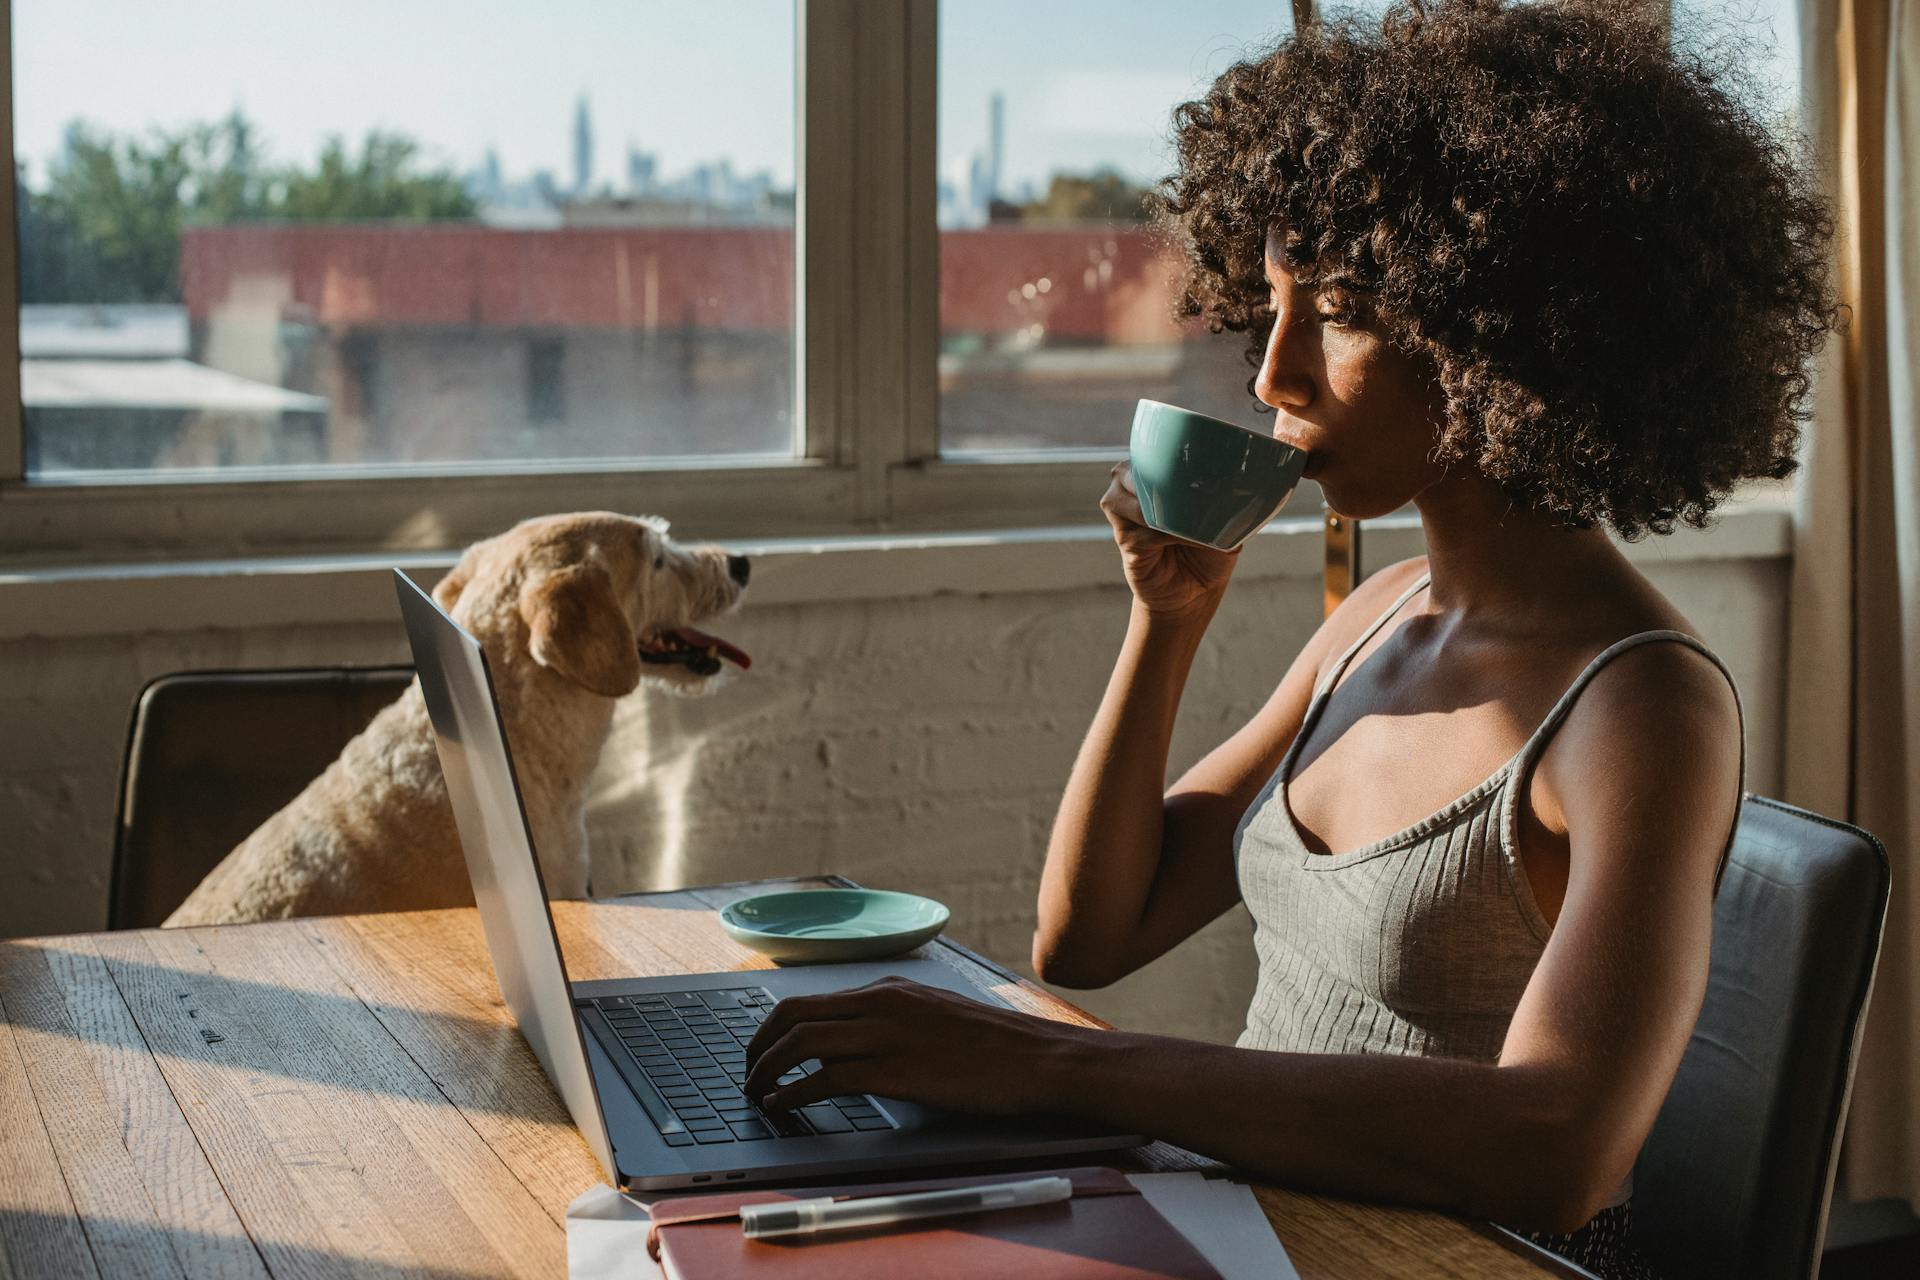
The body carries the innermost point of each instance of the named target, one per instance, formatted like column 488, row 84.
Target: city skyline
column 541, row 196
column 499, row 81
column 1083, row 90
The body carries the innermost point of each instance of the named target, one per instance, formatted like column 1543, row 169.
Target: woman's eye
column 1344, row 314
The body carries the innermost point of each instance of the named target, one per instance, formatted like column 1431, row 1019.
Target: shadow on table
column 42, row 1244
column 217, row 1019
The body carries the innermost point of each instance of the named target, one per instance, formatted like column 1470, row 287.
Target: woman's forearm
column 1497, row 1142
column 1107, row 835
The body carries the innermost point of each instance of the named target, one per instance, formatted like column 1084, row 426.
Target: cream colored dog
column 574, row 611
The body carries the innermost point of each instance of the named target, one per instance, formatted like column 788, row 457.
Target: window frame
column 13, row 441
column 866, row 344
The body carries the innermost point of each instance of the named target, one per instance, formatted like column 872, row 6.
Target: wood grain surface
column 348, row 1096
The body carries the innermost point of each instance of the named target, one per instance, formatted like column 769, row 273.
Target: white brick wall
column 916, row 741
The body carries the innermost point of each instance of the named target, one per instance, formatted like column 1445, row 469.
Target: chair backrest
column 213, row 754
column 1734, row 1178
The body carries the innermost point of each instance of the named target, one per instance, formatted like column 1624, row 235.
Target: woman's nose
column 1282, row 383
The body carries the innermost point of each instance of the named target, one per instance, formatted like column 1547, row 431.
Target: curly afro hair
column 1617, row 268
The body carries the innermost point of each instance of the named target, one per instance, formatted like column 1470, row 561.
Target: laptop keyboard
column 684, row 1054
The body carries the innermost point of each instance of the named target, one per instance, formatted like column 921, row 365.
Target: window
column 1765, row 34
column 783, row 267
column 546, row 396
column 1055, row 294
column 251, row 235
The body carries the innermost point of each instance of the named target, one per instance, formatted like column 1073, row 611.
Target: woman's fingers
column 903, row 1038
column 1121, row 504
column 797, row 1010
column 1122, row 512
column 844, row 1023
column 830, row 1081
column 837, row 1041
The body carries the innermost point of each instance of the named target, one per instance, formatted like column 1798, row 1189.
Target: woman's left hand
column 904, row 1039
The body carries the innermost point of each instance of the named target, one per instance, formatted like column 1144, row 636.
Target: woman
column 1523, row 268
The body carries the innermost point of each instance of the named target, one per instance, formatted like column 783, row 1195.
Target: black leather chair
column 1735, row 1177
column 213, row 754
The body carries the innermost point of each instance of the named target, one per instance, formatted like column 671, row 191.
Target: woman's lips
column 1314, row 456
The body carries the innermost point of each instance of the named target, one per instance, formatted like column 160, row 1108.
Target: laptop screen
column 499, row 850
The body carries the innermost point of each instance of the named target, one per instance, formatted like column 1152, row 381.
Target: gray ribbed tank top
column 1420, row 943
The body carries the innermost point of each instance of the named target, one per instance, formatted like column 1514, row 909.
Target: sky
column 1087, row 83
column 690, row 82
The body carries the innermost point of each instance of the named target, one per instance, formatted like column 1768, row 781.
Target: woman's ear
column 578, row 631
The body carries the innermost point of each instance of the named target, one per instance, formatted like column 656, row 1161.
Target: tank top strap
column 1522, row 764
column 1340, row 664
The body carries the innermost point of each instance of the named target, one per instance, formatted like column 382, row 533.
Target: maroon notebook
column 1107, row 1230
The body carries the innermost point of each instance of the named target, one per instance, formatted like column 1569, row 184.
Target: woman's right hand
column 1170, row 577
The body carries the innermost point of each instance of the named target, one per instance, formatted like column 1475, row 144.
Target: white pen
column 798, row 1217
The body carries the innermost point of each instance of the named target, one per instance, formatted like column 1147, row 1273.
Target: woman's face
column 1366, row 412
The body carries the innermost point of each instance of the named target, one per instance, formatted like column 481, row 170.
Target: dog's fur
column 562, row 605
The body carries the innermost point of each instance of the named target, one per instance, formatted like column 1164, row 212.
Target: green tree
column 229, row 179
column 107, row 226
column 112, row 212
column 381, row 182
column 1100, row 196
column 44, row 242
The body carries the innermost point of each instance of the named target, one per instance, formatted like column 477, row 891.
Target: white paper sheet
column 1222, row 1220
column 607, row 1238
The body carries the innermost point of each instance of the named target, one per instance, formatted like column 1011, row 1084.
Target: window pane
column 1765, row 35
column 1055, row 299
column 389, row 232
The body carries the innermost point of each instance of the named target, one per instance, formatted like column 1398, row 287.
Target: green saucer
column 816, row 926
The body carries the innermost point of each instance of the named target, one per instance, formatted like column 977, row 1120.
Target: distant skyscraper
column 979, row 189
column 582, row 148
column 996, row 141
column 641, row 169
column 486, row 184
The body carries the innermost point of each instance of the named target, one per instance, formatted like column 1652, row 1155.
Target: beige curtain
column 1853, row 696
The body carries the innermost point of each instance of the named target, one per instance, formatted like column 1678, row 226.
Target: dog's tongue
column 701, row 640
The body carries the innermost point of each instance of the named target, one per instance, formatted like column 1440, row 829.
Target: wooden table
column 349, row 1096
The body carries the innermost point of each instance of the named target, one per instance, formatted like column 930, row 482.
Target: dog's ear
column 446, row 592
column 578, row 630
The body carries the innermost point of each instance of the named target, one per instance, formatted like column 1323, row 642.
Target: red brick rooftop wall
column 1100, row 284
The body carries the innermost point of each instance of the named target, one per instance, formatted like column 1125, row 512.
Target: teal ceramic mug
column 1206, row 480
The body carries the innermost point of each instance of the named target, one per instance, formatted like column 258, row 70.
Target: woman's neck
column 1491, row 558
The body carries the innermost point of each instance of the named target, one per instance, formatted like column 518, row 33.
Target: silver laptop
column 651, row 1068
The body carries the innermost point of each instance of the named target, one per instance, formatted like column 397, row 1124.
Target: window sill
column 116, row 599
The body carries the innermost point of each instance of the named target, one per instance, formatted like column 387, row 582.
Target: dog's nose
column 738, row 568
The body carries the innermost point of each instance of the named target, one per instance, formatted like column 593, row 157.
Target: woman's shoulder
column 1663, row 680
column 1638, row 659
column 1653, row 710
column 1655, row 738
column 1374, row 595
column 1364, row 606
column 1652, row 686
column 1640, row 641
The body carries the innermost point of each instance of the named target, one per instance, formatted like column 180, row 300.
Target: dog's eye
column 659, row 562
